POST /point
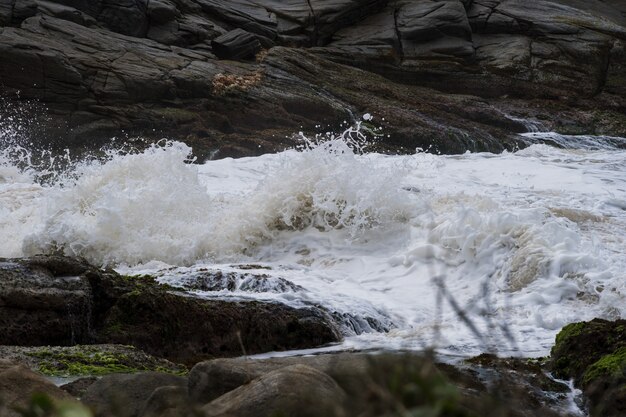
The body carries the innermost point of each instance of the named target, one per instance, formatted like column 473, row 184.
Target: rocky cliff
column 240, row 77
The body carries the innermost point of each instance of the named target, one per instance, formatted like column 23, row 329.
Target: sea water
column 466, row 253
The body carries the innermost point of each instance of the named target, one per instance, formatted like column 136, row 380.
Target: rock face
column 52, row 300
column 112, row 68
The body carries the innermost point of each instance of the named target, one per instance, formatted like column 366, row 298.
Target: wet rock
column 236, row 44
column 53, row 300
column 43, row 301
column 17, row 386
column 148, row 69
column 211, row 379
column 296, row 390
column 186, row 329
column 579, row 345
column 126, row 395
column 594, row 354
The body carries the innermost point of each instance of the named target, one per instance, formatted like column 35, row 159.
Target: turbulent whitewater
column 466, row 253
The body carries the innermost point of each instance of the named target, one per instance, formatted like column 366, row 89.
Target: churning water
column 467, row 252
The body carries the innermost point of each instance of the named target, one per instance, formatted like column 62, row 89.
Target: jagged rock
column 236, row 44
column 296, row 390
column 126, row 395
column 17, row 386
column 105, row 67
column 166, row 325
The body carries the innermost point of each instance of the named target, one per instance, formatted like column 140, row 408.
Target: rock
column 43, row 303
column 377, row 384
column 54, row 300
column 78, row 387
column 168, row 401
column 17, row 386
column 113, row 67
column 579, row 345
column 162, row 11
column 236, row 44
column 167, row 325
column 126, row 395
column 211, row 379
column 296, row 390
column 594, row 354
column 87, row 360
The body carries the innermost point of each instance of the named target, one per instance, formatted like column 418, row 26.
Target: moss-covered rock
column 83, row 360
column 38, row 296
column 594, row 354
column 580, row 345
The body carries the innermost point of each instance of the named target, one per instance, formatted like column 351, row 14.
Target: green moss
column 609, row 366
column 89, row 360
column 569, row 331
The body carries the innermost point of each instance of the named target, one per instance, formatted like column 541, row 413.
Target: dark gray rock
column 296, row 390
column 147, row 68
column 53, row 300
column 126, row 395
column 43, row 303
column 236, row 44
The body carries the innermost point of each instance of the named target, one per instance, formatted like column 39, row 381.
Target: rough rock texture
column 43, row 303
column 54, row 300
column 87, row 360
column 186, row 329
column 292, row 391
column 126, row 395
column 594, row 355
column 18, row 384
column 135, row 67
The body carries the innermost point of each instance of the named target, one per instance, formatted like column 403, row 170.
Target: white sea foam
column 522, row 243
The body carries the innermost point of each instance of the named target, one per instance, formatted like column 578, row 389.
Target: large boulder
column 186, row 329
column 211, row 379
column 18, row 384
column 292, row 391
column 125, row 395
